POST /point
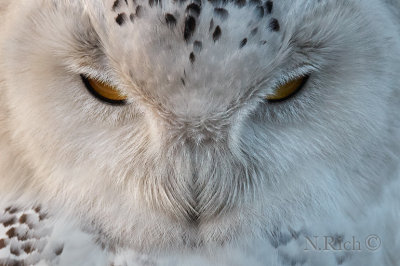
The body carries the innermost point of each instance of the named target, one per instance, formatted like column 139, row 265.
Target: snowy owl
column 193, row 132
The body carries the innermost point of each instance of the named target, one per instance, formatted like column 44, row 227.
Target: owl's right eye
column 287, row 90
column 104, row 91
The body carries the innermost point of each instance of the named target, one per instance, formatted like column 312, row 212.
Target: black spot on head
column 263, row 42
column 9, row 221
column 59, row 250
column 192, row 57
column 11, row 233
column 126, row 2
column 170, row 19
column 132, row 17
column 28, row 248
column 190, row 26
column 259, row 11
column 42, row 216
column 115, row 5
column 139, row 11
column 254, row 31
column 155, row 2
column 15, row 251
column 217, row 33
column 269, row 5
column 120, row 19
column 11, row 210
column 197, row 46
column 22, row 237
column 222, row 13
column 274, row 24
column 240, row 3
column 193, row 9
column 183, row 81
column 23, row 218
column 3, row 243
column 243, row 43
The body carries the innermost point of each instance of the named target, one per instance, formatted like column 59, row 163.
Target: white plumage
column 195, row 166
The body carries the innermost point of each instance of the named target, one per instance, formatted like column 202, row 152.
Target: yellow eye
column 287, row 90
column 104, row 91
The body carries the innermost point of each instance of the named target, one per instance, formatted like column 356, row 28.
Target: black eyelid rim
column 305, row 79
column 94, row 93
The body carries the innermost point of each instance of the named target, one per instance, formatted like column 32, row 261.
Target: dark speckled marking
column 42, row 216
column 240, row 3
column 11, row 233
column 170, row 20
column 28, row 248
column 197, row 46
column 23, row 218
column 193, row 9
column 217, row 33
column 15, row 251
column 3, row 243
column 259, row 11
column 11, row 210
column 243, row 43
column 139, row 11
column 222, row 13
column 269, row 5
column 190, row 26
column 120, row 19
column 274, row 24
column 58, row 251
column 155, row 2
column 192, row 57
column 9, row 221
column 115, row 5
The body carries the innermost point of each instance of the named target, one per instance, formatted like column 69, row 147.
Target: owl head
column 172, row 123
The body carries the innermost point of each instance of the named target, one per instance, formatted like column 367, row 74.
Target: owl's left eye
column 104, row 92
column 288, row 89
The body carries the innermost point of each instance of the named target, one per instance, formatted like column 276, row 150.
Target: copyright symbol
column 373, row 242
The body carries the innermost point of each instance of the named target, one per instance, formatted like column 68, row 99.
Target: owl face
column 168, row 123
